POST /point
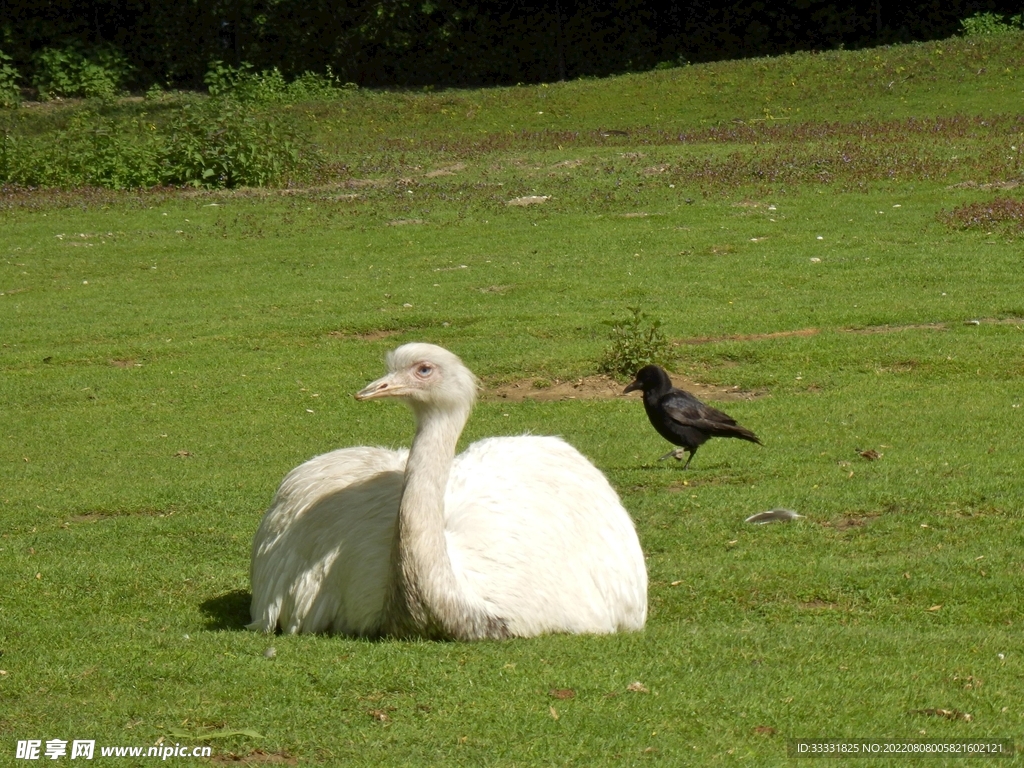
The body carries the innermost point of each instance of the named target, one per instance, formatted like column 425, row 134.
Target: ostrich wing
column 320, row 557
column 536, row 533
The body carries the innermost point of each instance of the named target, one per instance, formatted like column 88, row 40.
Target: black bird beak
column 633, row 385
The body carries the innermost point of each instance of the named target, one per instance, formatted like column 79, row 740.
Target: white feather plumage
column 528, row 538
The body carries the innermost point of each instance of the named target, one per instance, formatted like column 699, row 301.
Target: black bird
column 680, row 417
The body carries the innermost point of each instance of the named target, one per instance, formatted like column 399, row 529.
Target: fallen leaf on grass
column 637, row 687
column 553, row 712
column 379, row 715
column 935, row 608
column 969, row 682
column 871, row 454
column 562, row 693
column 949, row 714
column 182, row 455
column 764, row 730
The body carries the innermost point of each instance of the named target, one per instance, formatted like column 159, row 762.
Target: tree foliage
column 453, row 42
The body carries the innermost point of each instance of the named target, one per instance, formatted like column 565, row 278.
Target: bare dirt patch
column 850, row 521
column 722, row 250
column 868, row 329
column 897, row 328
column 449, row 170
column 364, row 183
column 529, row 200
column 933, row 326
column 601, row 388
column 256, row 757
column 745, row 337
column 986, row 186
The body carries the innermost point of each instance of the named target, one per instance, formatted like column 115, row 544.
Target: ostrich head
column 650, row 378
column 425, row 376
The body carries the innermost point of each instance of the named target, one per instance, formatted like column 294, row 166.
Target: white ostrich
column 515, row 537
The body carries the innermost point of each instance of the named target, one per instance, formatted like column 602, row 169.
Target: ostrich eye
column 424, row 369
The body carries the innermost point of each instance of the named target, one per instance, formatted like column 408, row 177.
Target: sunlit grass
column 166, row 358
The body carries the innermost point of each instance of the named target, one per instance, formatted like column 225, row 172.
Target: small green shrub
column 245, row 85
column 155, row 93
column 225, row 144
column 635, row 342
column 69, row 72
column 89, row 151
column 8, row 150
column 10, row 93
column 216, row 143
column 226, row 81
column 312, row 86
column 990, row 24
column 679, row 61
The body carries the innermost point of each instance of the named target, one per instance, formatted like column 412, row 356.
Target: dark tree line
column 456, row 42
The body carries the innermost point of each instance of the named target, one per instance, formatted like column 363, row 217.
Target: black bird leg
column 677, row 454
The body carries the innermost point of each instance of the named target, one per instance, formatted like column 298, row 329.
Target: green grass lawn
column 166, row 357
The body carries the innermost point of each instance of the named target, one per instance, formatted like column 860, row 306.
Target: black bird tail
column 735, row 430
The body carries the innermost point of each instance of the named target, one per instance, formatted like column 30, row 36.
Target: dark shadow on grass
column 228, row 611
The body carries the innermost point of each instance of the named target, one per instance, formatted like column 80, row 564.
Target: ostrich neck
column 424, row 598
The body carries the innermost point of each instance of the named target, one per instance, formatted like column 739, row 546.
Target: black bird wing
column 685, row 410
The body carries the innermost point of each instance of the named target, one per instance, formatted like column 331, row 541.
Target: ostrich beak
column 386, row 386
column 633, row 385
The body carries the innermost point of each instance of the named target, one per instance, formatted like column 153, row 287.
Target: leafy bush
column 89, row 151
column 225, row 144
column 636, row 342
column 246, row 85
column 224, row 80
column 311, row 86
column 8, row 150
column 67, row 72
column 990, row 24
column 10, row 93
column 215, row 143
